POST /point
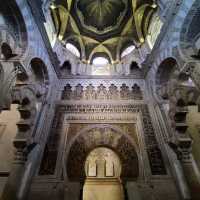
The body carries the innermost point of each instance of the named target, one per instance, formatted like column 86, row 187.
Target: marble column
column 191, row 172
column 11, row 189
column 181, row 180
column 29, row 172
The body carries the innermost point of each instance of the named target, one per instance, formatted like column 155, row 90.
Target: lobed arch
column 83, row 143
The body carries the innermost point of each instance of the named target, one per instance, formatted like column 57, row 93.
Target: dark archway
column 166, row 77
column 134, row 68
column 6, row 51
column 66, row 68
column 39, row 70
column 165, row 70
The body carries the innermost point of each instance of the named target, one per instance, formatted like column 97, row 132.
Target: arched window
column 73, row 49
column 100, row 61
column 127, row 51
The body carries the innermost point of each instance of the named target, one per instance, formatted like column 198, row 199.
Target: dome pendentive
column 102, row 26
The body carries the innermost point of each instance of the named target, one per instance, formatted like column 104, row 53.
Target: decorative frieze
column 69, row 118
column 101, row 92
column 153, row 150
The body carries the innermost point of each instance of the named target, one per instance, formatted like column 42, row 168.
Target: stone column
column 29, row 172
column 176, row 166
column 11, row 189
column 183, row 149
column 190, row 168
column 181, row 180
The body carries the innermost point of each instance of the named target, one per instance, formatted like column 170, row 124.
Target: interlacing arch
column 190, row 30
column 188, row 95
column 177, row 89
column 25, row 96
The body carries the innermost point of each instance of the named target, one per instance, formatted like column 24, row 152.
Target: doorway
column 103, row 169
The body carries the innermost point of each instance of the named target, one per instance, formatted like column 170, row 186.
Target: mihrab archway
column 102, row 136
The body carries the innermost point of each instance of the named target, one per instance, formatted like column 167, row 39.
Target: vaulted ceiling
column 104, row 27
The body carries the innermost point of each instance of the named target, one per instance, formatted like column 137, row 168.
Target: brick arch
column 85, row 142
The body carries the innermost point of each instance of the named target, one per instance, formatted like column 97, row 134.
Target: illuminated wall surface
column 108, row 189
column 103, row 176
